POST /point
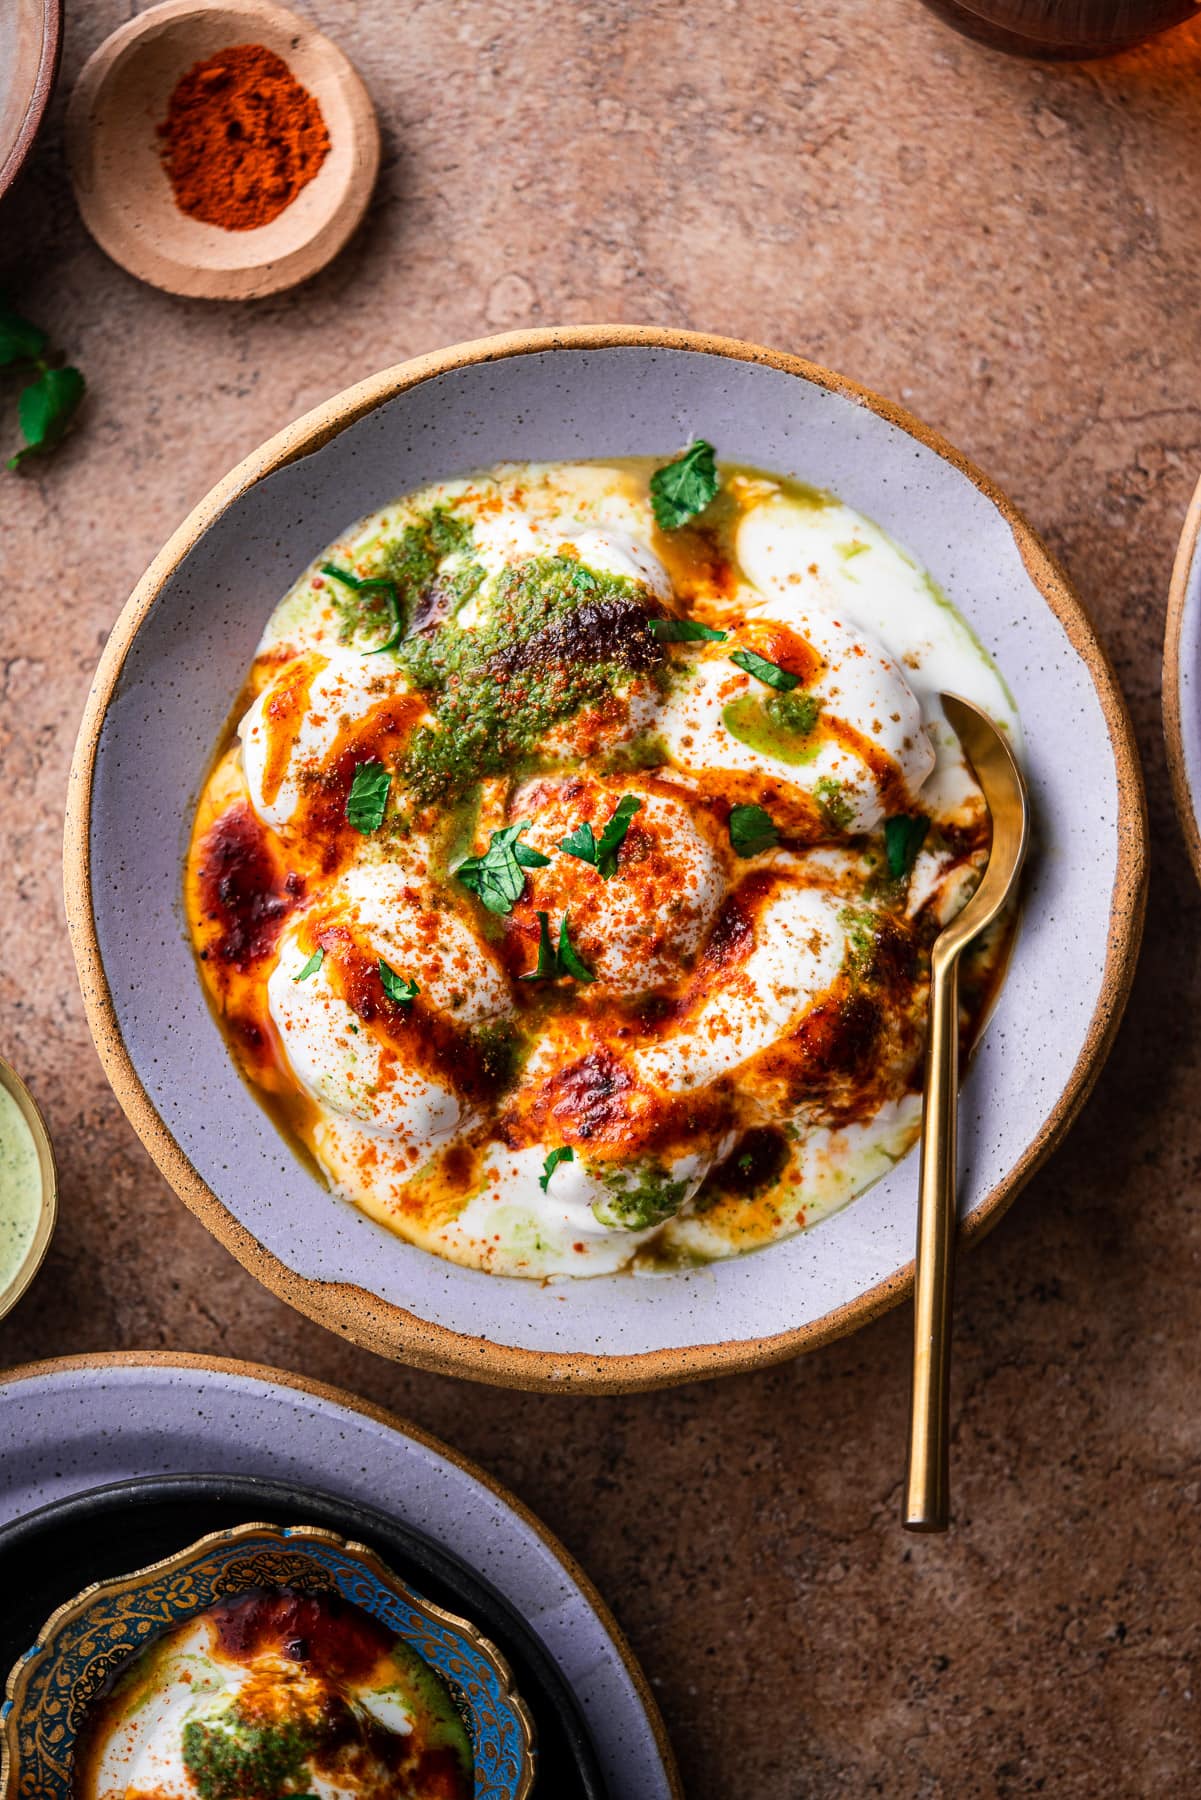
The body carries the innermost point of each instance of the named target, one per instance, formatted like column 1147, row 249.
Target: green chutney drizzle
column 557, row 637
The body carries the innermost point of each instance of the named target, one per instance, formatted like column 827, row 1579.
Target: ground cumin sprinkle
column 241, row 138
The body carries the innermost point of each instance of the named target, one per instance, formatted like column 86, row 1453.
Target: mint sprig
column 904, row 836
column 311, row 967
column 46, row 405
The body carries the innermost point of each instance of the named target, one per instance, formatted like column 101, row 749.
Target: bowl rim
column 1188, row 804
column 35, row 1256
column 78, row 1606
column 39, row 94
column 391, row 1330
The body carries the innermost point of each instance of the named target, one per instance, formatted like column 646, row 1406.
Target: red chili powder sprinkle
column 241, row 138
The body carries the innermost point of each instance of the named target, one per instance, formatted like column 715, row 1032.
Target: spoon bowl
column 927, row 1487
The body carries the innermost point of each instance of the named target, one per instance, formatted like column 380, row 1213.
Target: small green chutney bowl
column 47, row 1200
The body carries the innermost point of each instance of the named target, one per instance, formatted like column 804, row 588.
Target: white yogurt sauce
column 888, row 644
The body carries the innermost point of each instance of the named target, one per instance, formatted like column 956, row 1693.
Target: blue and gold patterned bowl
column 53, row 1687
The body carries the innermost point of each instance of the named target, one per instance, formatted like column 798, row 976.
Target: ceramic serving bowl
column 1181, row 688
column 172, row 671
column 52, row 1688
column 30, row 42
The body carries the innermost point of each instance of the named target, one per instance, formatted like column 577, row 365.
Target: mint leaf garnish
column 904, row 836
column 684, row 631
column 614, row 834
column 367, row 800
column 581, row 842
column 19, row 340
column 569, row 959
column 547, row 966
column 45, row 409
column 762, row 670
column 752, row 830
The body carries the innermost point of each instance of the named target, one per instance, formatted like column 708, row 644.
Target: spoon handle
column 927, row 1500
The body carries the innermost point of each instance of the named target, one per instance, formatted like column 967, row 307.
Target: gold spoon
column 926, row 1505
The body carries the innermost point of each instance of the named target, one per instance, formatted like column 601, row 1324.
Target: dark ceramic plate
column 50, row 1555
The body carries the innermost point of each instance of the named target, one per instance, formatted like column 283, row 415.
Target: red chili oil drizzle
column 414, row 1029
column 244, row 887
column 336, row 1638
column 342, row 1644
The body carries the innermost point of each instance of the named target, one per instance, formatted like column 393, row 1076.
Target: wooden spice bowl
column 122, row 187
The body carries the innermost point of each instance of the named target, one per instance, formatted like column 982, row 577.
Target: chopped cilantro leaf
column 762, row 670
column 495, row 878
column 602, row 853
column 904, row 836
column 581, row 843
column 614, row 834
column 311, row 967
column 547, row 966
column 555, row 961
column 397, row 987
column 367, row 800
column 684, row 488
column 752, row 829
column 564, row 1153
column 570, row 962
column 583, row 579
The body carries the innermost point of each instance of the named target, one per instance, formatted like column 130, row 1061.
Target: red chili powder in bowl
column 241, row 138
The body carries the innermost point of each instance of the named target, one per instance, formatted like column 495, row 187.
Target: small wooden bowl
column 121, row 185
column 28, row 1107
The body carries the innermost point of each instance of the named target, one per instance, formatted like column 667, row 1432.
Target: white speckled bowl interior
column 176, row 664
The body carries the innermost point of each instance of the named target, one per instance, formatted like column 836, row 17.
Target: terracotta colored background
column 1014, row 251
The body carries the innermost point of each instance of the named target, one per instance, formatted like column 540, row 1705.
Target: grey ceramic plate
column 173, row 669
column 1182, row 680
column 75, row 1424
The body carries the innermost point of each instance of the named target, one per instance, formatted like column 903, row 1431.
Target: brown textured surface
column 1014, row 251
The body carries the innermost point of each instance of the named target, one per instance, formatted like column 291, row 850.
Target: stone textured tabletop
column 1014, row 251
